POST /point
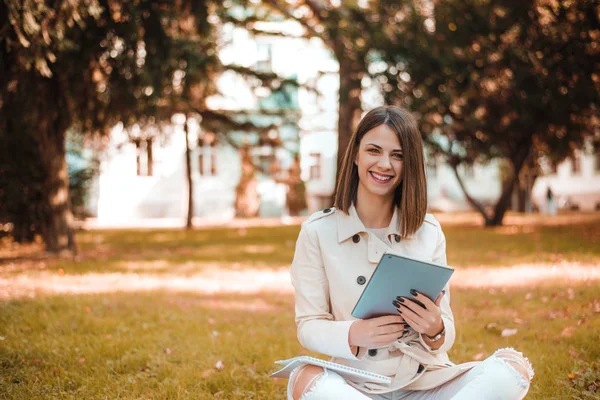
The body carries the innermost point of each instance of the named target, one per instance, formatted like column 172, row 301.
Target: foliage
column 88, row 65
column 497, row 79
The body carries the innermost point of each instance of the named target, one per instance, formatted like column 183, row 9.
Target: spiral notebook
column 352, row 374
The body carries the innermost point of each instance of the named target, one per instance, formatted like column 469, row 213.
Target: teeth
column 381, row 177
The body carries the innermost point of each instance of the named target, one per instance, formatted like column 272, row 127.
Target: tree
column 348, row 30
column 89, row 65
column 497, row 80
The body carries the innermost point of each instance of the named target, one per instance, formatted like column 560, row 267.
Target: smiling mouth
column 380, row 178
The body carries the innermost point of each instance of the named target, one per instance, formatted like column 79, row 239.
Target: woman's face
column 380, row 161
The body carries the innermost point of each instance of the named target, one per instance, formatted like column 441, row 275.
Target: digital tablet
column 396, row 275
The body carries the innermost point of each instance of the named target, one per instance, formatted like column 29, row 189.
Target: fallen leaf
column 544, row 299
column 573, row 352
column 508, row 332
column 518, row 321
column 215, row 333
column 220, row 365
column 568, row 331
column 211, row 321
column 81, row 361
column 88, row 309
column 478, row 357
column 491, row 325
column 167, row 351
column 571, row 376
column 61, row 271
column 207, row 373
column 528, row 296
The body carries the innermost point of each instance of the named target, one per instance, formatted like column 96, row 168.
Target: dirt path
column 251, row 281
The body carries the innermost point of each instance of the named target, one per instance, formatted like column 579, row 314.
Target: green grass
column 160, row 345
column 164, row 345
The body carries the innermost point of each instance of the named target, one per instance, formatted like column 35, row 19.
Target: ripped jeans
column 492, row 379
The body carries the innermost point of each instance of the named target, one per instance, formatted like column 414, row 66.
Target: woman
column 381, row 204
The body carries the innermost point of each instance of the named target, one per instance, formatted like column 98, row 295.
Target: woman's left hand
column 425, row 318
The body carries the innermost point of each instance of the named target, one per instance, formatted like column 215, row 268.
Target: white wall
column 582, row 189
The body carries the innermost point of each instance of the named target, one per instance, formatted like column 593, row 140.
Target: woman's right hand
column 376, row 332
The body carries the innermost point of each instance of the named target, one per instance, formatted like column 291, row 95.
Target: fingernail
column 395, row 303
column 413, row 292
column 400, row 312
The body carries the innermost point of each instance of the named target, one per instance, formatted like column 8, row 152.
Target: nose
column 384, row 163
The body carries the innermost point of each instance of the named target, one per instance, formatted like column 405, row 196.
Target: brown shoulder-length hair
column 411, row 194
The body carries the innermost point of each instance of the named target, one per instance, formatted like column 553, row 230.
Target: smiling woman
column 381, row 205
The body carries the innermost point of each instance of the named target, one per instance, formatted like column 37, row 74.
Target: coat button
column 361, row 280
column 397, row 238
column 327, row 210
column 356, row 238
column 372, row 352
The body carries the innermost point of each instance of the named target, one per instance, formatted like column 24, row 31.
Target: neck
column 374, row 211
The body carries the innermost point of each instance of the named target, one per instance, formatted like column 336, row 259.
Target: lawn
column 181, row 344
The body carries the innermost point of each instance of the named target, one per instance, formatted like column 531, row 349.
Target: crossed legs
column 507, row 373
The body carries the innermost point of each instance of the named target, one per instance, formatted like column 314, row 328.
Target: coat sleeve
column 317, row 330
column 439, row 257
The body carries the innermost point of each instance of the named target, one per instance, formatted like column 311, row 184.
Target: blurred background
column 218, row 126
column 159, row 113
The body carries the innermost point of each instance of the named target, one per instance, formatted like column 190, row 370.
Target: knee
column 304, row 380
column 517, row 361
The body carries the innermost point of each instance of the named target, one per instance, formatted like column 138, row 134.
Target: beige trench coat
column 335, row 256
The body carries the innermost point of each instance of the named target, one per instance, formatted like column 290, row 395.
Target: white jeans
column 492, row 379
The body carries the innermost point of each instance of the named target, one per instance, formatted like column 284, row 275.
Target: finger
column 391, row 329
column 414, row 307
column 388, row 319
column 422, row 298
column 438, row 301
column 410, row 313
column 415, row 324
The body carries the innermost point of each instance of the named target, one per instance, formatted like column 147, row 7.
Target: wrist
column 437, row 333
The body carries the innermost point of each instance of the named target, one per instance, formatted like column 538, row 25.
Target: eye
column 373, row 150
column 399, row 156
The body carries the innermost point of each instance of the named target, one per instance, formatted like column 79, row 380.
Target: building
column 574, row 183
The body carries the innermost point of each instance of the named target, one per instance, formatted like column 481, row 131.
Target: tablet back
column 395, row 276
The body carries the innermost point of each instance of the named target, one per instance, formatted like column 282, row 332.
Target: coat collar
column 350, row 224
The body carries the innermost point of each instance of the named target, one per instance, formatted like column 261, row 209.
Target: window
column 207, row 159
column 143, row 156
column 576, row 164
column 264, row 59
column 315, row 166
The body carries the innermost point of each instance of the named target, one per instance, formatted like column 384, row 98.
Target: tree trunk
column 349, row 105
column 57, row 218
column 517, row 162
column 188, row 172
